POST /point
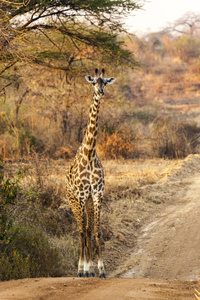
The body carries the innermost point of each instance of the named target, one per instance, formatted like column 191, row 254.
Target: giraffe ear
column 89, row 79
column 96, row 71
column 110, row 80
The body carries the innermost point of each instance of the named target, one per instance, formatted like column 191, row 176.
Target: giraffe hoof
column 80, row 274
column 92, row 274
column 103, row 275
column 86, row 274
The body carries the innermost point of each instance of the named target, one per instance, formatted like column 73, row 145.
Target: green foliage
column 93, row 7
column 74, row 29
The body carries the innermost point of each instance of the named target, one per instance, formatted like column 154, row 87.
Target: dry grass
column 197, row 294
column 134, row 173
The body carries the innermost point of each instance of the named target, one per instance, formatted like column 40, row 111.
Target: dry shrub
column 65, row 152
column 174, row 140
column 159, row 85
column 9, row 146
column 115, row 146
column 16, row 142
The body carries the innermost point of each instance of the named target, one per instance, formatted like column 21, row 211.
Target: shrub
column 116, row 145
column 16, row 140
column 26, row 252
column 24, row 247
column 8, row 194
column 173, row 140
column 188, row 48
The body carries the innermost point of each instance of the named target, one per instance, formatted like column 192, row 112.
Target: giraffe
column 85, row 184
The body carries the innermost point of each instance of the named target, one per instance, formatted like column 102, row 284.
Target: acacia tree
column 63, row 34
column 188, row 24
column 185, row 41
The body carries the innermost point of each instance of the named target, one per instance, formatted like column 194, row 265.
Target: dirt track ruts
column 95, row 288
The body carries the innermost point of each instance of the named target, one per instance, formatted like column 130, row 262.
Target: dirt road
column 169, row 245
column 94, row 288
column 165, row 261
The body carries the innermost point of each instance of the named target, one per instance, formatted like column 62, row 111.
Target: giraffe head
column 99, row 82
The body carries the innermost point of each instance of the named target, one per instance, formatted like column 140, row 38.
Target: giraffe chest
column 86, row 178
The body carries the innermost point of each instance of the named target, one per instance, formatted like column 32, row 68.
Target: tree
column 63, row 34
column 188, row 24
column 185, row 34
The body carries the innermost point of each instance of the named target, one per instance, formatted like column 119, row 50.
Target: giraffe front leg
column 102, row 272
column 78, row 211
column 89, row 229
column 83, row 268
column 88, row 268
column 91, row 272
column 82, row 256
column 97, row 209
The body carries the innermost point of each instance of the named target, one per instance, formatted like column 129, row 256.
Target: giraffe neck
column 89, row 140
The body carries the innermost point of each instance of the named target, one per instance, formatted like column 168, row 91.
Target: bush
column 115, row 146
column 188, row 48
column 24, row 248
column 26, row 252
column 8, row 194
column 174, row 140
column 16, row 140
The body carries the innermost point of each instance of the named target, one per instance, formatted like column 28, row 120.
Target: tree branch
column 9, row 65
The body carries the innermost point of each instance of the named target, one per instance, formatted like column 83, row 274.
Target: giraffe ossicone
column 85, row 184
